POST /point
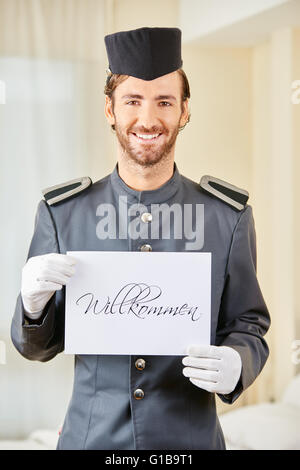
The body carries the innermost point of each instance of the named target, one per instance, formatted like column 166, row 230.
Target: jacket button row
column 146, row 217
column 146, row 247
column 140, row 364
column 138, row 394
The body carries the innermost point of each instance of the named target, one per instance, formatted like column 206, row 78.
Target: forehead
column 167, row 84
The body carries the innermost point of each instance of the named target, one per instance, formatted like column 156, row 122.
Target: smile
column 147, row 137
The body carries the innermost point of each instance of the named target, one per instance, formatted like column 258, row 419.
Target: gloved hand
column 41, row 277
column 216, row 369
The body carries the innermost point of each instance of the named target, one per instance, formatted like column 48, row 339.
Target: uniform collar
column 155, row 196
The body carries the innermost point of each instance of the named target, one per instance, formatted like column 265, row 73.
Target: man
column 150, row 402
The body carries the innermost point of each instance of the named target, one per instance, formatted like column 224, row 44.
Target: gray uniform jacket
column 104, row 412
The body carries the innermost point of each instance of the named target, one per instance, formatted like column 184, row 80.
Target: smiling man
column 147, row 123
column 147, row 117
column 147, row 402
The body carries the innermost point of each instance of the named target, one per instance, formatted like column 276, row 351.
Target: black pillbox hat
column 145, row 53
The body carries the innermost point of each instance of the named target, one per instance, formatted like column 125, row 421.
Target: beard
column 147, row 155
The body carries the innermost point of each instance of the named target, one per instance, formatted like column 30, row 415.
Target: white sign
column 138, row 303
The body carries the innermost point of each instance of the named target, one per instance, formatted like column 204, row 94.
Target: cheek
column 172, row 122
column 171, row 116
column 125, row 118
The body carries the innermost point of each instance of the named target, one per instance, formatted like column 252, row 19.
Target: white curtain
column 52, row 129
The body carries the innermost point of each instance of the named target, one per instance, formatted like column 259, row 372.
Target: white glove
column 41, row 277
column 216, row 369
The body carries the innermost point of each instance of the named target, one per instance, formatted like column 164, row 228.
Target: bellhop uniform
column 145, row 402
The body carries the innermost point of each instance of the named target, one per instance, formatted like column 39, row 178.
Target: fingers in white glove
column 216, row 369
column 202, row 362
column 211, row 387
column 42, row 276
column 48, row 268
column 201, row 374
column 50, row 275
column 43, row 286
column 59, row 258
column 209, row 351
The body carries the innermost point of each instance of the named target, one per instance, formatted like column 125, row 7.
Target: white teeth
column 147, row 136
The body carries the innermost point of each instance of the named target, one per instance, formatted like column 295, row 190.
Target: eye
column 132, row 102
column 165, row 103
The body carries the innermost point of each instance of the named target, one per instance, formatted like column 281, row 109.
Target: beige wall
column 296, row 185
column 275, row 172
column 217, row 141
column 261, row 197
column 202, row 17
column 131, row 14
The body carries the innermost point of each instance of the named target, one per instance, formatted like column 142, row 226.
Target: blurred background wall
column 241, row 59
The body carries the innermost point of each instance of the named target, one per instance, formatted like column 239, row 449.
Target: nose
column 147, row 116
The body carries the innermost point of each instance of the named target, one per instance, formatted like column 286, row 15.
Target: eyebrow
column 160, row 97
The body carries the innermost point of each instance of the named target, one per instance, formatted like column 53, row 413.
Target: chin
column 147, row 161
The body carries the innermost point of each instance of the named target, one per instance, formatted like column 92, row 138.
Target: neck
column 142, row 178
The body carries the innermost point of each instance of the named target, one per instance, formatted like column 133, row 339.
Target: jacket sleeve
column 243, row 318
column 41, row 339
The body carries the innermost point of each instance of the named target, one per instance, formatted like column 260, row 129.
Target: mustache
column 143, row 130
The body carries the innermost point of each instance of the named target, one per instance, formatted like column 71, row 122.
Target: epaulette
column 63, row 191
column 228, row 193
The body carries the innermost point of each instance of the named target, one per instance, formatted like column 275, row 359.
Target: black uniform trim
column 63, row 191
column 228, row 193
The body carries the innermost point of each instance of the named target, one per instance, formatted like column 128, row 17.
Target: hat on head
column 145, row 53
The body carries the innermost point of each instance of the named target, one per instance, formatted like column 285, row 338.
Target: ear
column 185, row 113
column 109, row 110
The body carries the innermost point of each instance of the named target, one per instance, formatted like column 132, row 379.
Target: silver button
column 146, row 217
column 140, row 364
column 138, row 394
column 146, row 247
